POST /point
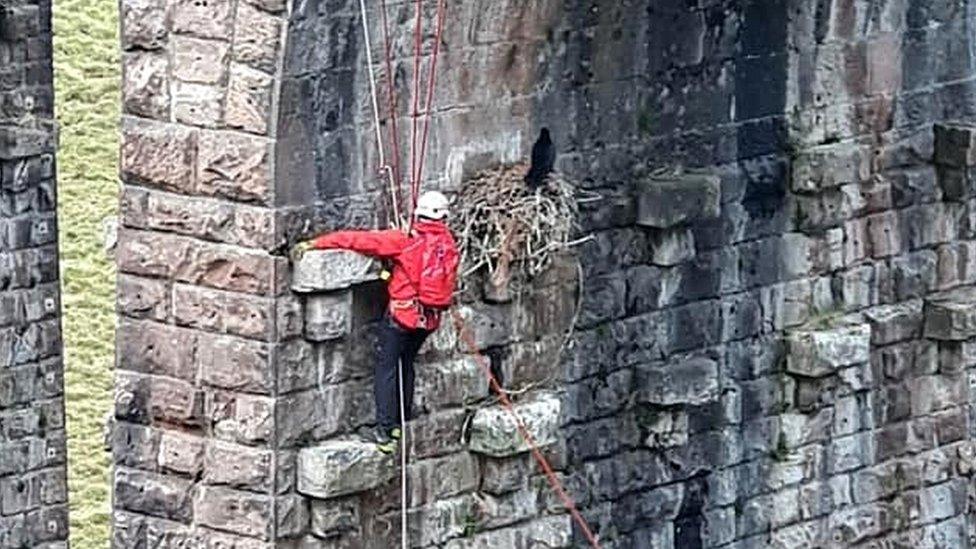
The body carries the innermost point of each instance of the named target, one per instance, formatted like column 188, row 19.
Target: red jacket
column 394, row 245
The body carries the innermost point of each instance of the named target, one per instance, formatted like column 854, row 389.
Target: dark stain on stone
column 688, row 524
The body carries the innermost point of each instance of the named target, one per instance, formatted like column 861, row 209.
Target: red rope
column 418, row 41
column 431, row 83
column 391, row 93
column 554, row 482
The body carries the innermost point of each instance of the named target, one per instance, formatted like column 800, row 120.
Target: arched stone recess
column 762, row 291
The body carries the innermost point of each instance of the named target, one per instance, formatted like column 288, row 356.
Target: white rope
column 376, row 115
column 403, row 461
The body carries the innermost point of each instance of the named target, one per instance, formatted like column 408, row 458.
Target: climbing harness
column 395, row 178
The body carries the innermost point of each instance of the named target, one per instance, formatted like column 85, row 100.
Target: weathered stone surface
column 951, row 316
column 234, row 166
column 830, row 166
column 219, row 311
column 198, row 60
column 334, row 516
column 257, row 39
column 672, row 246
column 331, row 270
column 159, row 349
column 232, row 511
column 451, row 383
column 894, row 323
column 494, row 432
column 155, row 495
column 143, row 298
column 692, row 381
column 158, row 154
column 955, row 144
column 328, row 316
column 144, row 24
column 181, row 454
column 237, row 417
column 197, row 104
column 234, row 363
column 817, row 353
column 340, row 468
column 666, row 202
column 146, row 85
column 237, row 466
column 248, row 99
column 140, row 399
column 210, row 19
column 556, row 531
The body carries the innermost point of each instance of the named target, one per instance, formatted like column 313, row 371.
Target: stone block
column 197, row 104
column 339, row 468
column 234, row 363
column 328, row 316
column 334, row 517
column 157, row 154
column 228, row 268
column 819, row 353
column 451, row 383
column 957, row 184
column 155, row 495
column 830, row 166
column 672, row 246
column 153, row 348
column 951, row 316
column 237, row 417
column 257, row 38
column 666, row 202
column 144, row 24
column 438, row 478
column 210, row 19
column 226, row 312
column 200, row 61
column 894, row 323
column 141, row 399
column 494, row 431
column 955, row 144
column 693, row 381
column 248, row 99
column 237, row 466
column 142, row 298
column 553, row 531
column 325, row 271
column 181, row 454
column 145, row 89
column 234, row 166
column 228, row 510
column 437, row 434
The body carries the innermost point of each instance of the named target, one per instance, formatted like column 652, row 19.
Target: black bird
column 543, row 159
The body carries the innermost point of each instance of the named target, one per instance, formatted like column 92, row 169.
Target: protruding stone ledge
column 951, row 316
column 821, row 352
column 342, row 467
column 690, row 381
column 830, row 166
column 665, row 202
column 894, row 323
column 495, row 433
column 331, row 270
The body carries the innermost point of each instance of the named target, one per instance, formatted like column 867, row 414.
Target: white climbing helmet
column 432, row 205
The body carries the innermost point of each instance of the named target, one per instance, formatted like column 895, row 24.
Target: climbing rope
column 465, row 335
column 376, row 115
column 431, row 83
column 404, row 540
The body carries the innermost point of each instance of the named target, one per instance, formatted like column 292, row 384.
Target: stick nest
column 508, row 231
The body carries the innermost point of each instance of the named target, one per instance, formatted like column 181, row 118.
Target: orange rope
column 554, row 482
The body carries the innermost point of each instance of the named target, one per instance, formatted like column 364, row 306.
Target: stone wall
column 771, row 350
column 33, row 482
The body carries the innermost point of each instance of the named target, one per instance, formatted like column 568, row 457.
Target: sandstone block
column 234, row 166
column 198, row 60
column 494, row 431
column 218, row 311
column 236, row 466
column 234, row 363
column 437, row 434
column 197, row 104
column 248, row 99
column 958, row 184
column 830, row 166
column 328, row 316
column 451, row 383
column 152, row 348
column 143, row 298
column 334, row 517
column 894, row 323
column 144, row 24
column 671, row 247
column 691, row 381
column 553, row 531
column 332, row 270
column 182, row 454
column 157, row 154
column 339, row 468
column 210, row 19
column 439, row 478
column 818, row 353
column 155, row 495
column 257, row 38
column 140, row 399
column 955, row 144
column 667, row 202
column 273, row 6
column 227, row 268
column 238, row 417
column 951, row 316
column 145, row 90
column 232, row 511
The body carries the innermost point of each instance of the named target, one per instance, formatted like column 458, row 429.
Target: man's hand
column 298, row 251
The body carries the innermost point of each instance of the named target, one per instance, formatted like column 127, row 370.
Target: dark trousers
column 398, row 348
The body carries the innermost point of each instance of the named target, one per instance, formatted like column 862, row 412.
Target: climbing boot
column 396, row 433
column 384, row 442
